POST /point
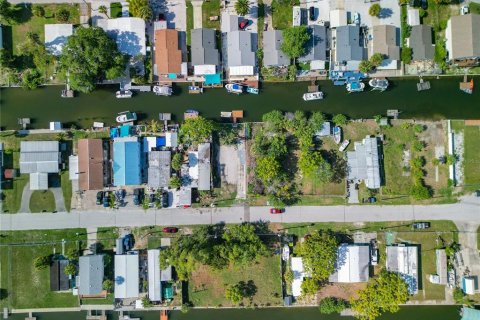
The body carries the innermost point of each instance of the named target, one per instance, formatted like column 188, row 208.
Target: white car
column 464, row 10
column 356, row 18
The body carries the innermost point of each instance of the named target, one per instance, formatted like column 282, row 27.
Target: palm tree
column 154, row 126
column 242, row 7
column 103, row 10
column 140, row 9
column 145, row 13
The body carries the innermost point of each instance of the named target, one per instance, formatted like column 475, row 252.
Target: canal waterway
column 43, row 105
column 405, row 313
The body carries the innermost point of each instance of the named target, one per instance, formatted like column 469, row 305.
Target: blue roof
column 212, row 79
column 113, row 132
column 161, row 142
column 125, row 130
column 126, row 163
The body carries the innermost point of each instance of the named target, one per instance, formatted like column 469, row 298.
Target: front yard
column 211, row 9
column 42, row 201
column 282, row 13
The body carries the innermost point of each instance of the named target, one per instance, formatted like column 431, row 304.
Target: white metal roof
column 154, row 281
column 204, row 166
column 126, row 276
column 404, row 260
column 364, row 164
column 38, row 181
column 56, row 36
column 241, row 71
column 298, row 275
column 171, row 139
column 128, row 32
column 352, row 264
column 204, row 69
column 413, row 17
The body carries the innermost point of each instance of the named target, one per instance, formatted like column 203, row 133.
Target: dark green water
column 444, row 100
column 406, row 313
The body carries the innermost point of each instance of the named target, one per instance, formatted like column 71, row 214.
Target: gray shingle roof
column 385, row 41
column 240, row 49
column 203, row 47
column 316, row 47
column 348, row 44
column 90, row 274
column 421, row 42
column 272, row 53
column 159, row 168
column 464, row 36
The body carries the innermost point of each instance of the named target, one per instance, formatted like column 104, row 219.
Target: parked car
column 464, row 10
column 311, row 10
column 165, row 199
column 106, row 199
column 137, row 196
column 128, row 242
column 170, row 230
column 243, row 24
column 151, row 198
column 276, row 210
column 372, row 199
column 421, row 225
column 99, row 197
column 424, row 4
column 356, row 18
column 265, row 28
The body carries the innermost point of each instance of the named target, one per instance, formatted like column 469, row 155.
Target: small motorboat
column 337, row 134
column 195, row 89
column 126, row 116
column 252, row 90
column 380, row 84
column 355, row 86
column 466, row 86
column 123, row 94
column 234, row 88
column 313, row 96
column 225, row 114
column 163, row 90
column 190, row 114
column 285, row 252
column 344, row 145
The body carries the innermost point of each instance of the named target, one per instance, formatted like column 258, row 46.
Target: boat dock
column 466, row 86
column 393, row 113
column 312, row 87
column 129, row 86
column 423, row 85
column 102, row 316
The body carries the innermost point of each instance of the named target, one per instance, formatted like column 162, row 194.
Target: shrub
column 375, row 10
column 406, row 55
column 332, row 305
column 38, row 11
column 420, row 192
column 418, row 145
column 42, row 262
column 70, row 269
column 62, row 15
column 107, row 285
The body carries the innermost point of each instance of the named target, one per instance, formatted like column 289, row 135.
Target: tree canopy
column 196, row 130
column 242, row 7
column 90, row 56
column 294, row 40
column 339, row 119
column 319, row 253
column 140, row 9
column 375, row 10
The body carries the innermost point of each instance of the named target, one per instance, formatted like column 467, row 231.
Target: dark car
column 243, row 24
column 165, row 199
column 276, row 210
column 151, row 198
column 99, row 197
column 311, row 11
column 128, row 242
column 106, row 199
column 170, row 230
column 421, row 225
column 424, row 4
column 161, row 17
column 372, row 199
column 137, row 196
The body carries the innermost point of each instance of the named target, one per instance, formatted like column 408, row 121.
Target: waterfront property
column 462, row 40
column 90, row 278
column 159, row 169
column 441, row 276
column 126, row 161
column 298, row 275
column 352, row 265
column 168, row 55
column 364, row 163
column 128, row 32
column 56, row 36
column 413, row 17
column 91, row 171
column 159, row 287
column 199, row 167
column 385, row 41
column 316, row 48
column 205, row 55
column 273, row 55
column 39, row 158
column 349, row 51
column 127, row 280
column 420, row 41
column 59, row 280
column 403, row 259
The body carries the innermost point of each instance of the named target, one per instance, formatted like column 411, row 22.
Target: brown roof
column 385, row 41
column 90, row 164
column 464, row 36
column 168, row 56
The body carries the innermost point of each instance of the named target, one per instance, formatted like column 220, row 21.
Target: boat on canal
column 190, row 114
column 466, row 86
column 122, row 94
column 126, row 116
column 234, row 88
column 252, row 90
column 355, row 86
column 344, row 145
column 163, row 90
column 194, row 89
column 337, row 134
column 310, row 96
column 380, row 84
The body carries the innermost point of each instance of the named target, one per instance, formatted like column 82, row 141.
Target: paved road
column 468, row 210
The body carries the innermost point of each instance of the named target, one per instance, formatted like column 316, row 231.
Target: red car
column 170, row 230
column 276, row 210
column 243, row 24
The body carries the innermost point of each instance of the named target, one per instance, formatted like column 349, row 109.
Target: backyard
column 472, row 156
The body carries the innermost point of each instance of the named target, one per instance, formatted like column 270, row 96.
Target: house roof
column 385, row 41
column 39, row 156
column 58, row 278
column 159, row 168
column 441, row 263
column 73, row 167
column 126, row 275
column 316, row 46
column 168, row 55
column 229, row 22
column 364, row 164
column 204, row 166
column 298, row 275
column 90, row 274
column 204, row 47
column 240, row 49
column 38, row 181
column 56, row 37
column 470, row 314
column 462, row 31
column 171, row 139
column 404, row 261
column 154, row 280
column 413, row 17
column 421, row 42
column 272, row 53
column 352, row 264
column 90, row 164
column 348, row 44
column 128, row 32
column 126, row 162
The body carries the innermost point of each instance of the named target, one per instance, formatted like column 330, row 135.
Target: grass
column 106, row 236
column 12, row 193
column 115, row 10
column 207, row 287
column 109, row 300
column 26, row 287
column 472, row 155
column 11, row 140
column 42, row 201
column 66, row 185
column 210, row 8
column 189, row 22
column 282, row 14
column 474, row 7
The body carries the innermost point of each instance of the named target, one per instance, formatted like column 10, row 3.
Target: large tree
column 384, row 294
column 242, row 245
column 90, row 56
column 319, row 253
column 294, row 40
column 242, row 7
column 196, row 130
column 268, row 168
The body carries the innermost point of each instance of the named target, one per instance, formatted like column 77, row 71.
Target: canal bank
column 43, row 105
column 405, row 313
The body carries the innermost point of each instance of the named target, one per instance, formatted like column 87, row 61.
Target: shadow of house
column 59, row 280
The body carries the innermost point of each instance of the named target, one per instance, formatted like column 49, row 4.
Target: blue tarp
column 161, row 142
column 113, row 133
column 212, row 79
column 126, row 163
column 172, row 76
column 125, row 130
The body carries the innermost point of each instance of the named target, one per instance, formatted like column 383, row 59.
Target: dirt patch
column 344, row 291
column 202, row 278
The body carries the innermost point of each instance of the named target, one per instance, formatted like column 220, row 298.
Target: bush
column 38, row 11
column 420, row 192
column 31, row 79
column 175, row 182
column 418, row 145
column 339, row 119
column 458, row 295
column 107, row 285
column 406, row 55
column 332, row 305
column 375, row 10
column 70, row 269
column 365, row 66
column 62, row 15
column 292, row 72
column 42, row 262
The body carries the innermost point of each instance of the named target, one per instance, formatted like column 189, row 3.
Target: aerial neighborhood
column 235, row 159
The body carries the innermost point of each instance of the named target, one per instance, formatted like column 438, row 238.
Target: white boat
column 378, row 84
column 285, row 252
column 355, row 86
column 124, row 94
column 252, row 90
column 234, row 88
column 344, row 145
column 163, row 90
column 313, row 96
column 225, row 114
column 126, row 116
column 195, row 89
column 337, row 134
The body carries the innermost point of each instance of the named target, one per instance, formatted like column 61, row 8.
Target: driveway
column 59, row 201
column 26, row 194
column 197, row 13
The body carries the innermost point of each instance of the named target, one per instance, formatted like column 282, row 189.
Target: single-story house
column 199, row 167
column 316, row 47
column 39, row 158
column 159, row 169
column 183, row 197
column 156, row 276
column 463, row 39
column 364, row 162
column 126, row 162
column 298, row 275
column 56, row 36
column 273, row 55
column 59, row 280
column 127, row 279
column 240, row 57
column 413, row 17
column 90, row 164
column 90, row 276
column 205, row 55
column 385, row 40
column 128, row 32
column 168, row 53
column 403, row 259
column 349, row 52
column 352, row 265
column 420, row 41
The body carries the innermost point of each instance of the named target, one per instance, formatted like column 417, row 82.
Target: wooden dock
column 423, row 85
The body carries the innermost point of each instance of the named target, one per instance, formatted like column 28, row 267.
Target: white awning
column 204, row 69
column 241, row 71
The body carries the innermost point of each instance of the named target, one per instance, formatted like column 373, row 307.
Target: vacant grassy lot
column 207, row 287
column 26, row 287
column 472, row 156
column 42, row 201
column 282, row 14
column 210, row 9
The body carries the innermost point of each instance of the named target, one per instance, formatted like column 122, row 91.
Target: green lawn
column 115, row 9
column 474, row 7
column 107, row 236
column 66, row 189
column 189, row 21
column 282, row 14
column 472, row 156
column 12, row 193
column 210, row 8
column 207, row 286
column 27, row 287
column 109, row 300
column 42, row 201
